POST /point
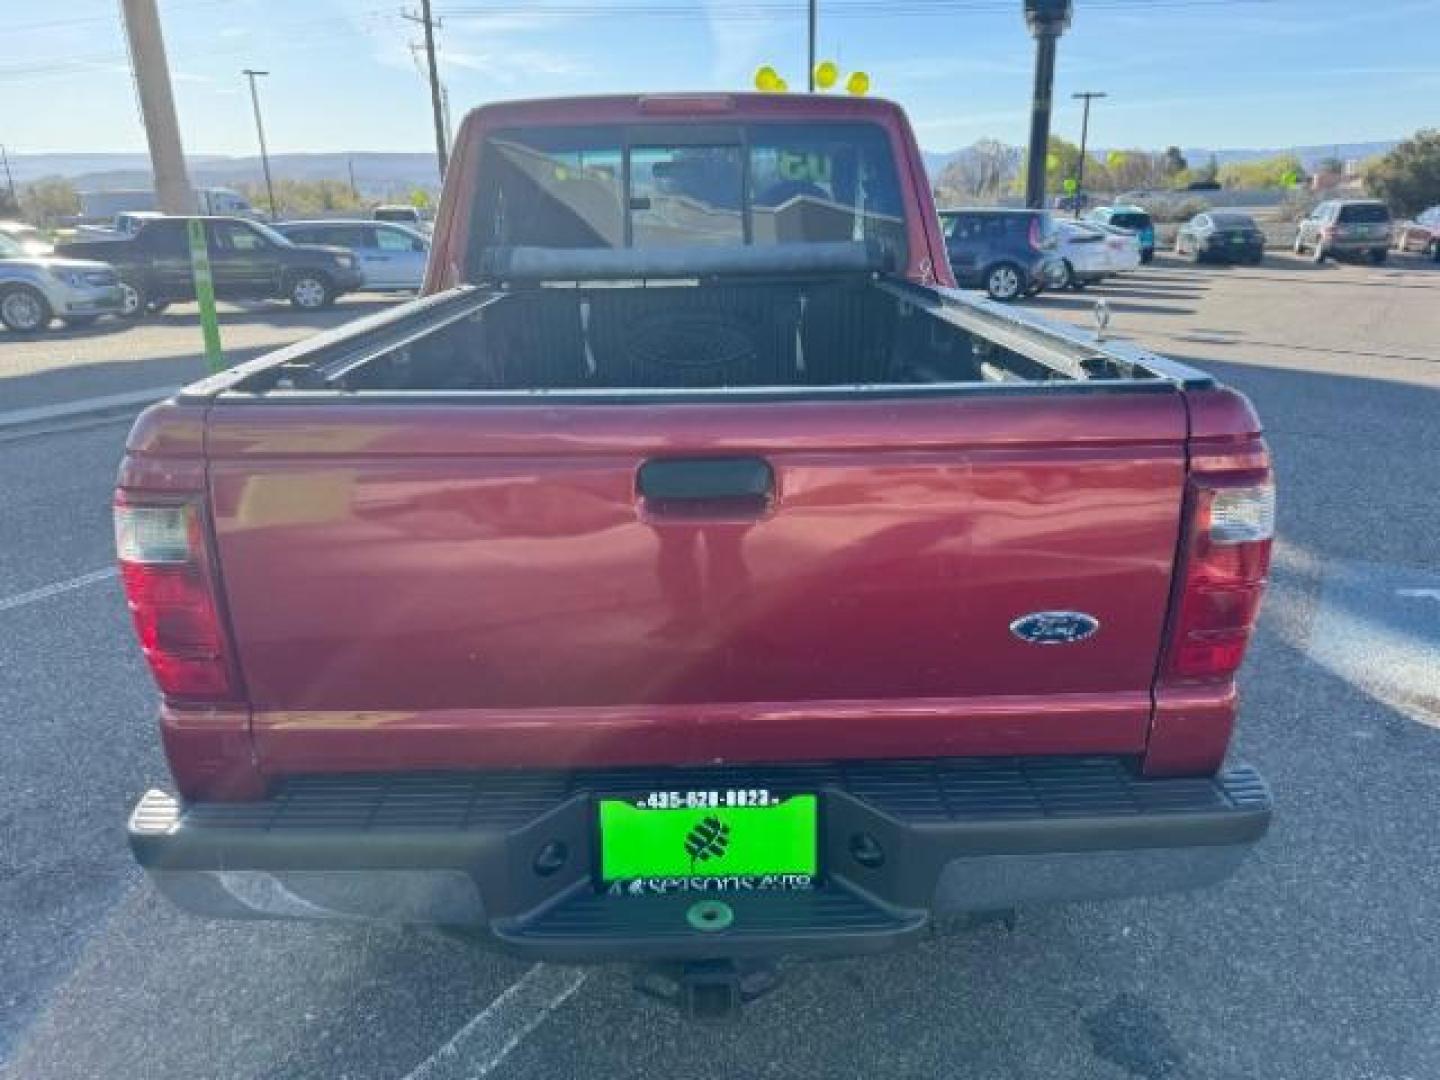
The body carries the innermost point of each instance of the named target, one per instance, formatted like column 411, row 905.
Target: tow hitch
column 708, row 989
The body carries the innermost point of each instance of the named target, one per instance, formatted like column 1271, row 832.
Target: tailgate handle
column 707, row 486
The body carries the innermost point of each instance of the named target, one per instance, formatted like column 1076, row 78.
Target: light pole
column 1047, row 20
column 251, row 74
column 1087, row 96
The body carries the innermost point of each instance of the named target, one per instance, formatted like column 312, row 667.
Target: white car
column 1122, row 246
column 392, row 257
column 36, row 289
column 1090, row 252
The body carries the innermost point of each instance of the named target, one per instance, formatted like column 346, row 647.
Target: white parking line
column 481, row 1045
column 55, row 588
column 1377, row 626
column 66, row 409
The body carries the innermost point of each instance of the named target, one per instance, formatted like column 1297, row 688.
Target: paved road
column 117, row 355
column 1317, row 962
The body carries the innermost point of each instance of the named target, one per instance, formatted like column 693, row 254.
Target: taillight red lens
column 167, row 580
column 1231, row 528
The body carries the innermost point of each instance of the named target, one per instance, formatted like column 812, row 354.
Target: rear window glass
column 751, row 184
column 994, row 225
column 1364, row 213
column 1233, row 221
column 1130, row 219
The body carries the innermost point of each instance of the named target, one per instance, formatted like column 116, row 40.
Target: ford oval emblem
column 1054, row 627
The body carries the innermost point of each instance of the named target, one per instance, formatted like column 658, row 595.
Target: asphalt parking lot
column 1317, row 961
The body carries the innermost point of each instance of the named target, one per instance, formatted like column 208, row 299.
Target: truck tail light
column 1037, row 235
column 169, row 587
column 1231, row 525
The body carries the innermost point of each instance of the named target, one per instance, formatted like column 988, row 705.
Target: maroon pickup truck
column 693, row 575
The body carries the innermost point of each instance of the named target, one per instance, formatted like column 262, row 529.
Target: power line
column 757, row 10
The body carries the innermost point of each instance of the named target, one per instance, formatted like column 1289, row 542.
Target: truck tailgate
column 481, row 582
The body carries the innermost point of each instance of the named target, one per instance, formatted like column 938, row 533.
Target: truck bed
column 855, row 333
column 450, row 572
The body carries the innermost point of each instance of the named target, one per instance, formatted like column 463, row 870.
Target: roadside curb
column 70, row 410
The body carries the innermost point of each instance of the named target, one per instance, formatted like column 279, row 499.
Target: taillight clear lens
column 1242, row 515
column 152, row 534
column 167, row 586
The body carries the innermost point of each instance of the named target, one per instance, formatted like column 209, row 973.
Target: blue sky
column 1231, row 73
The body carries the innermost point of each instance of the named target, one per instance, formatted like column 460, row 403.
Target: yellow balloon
column 825, row 74
column 858, row 84
column 766, row 79
column 781, row 85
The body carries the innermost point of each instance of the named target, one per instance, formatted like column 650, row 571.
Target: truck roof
column 627, row 107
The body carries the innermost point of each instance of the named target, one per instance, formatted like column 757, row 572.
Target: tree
column 1063, row 163
column 1174, row 162
column 1211, row 172
column 45, row 202
column 305, row 196
column 979, row 174
column 9, row 205
column 1137, row 169
column 1280, row 171
column 1408, row 177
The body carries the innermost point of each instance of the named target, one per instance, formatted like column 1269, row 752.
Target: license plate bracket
column 722, row 840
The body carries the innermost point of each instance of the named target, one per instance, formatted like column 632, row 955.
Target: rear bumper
column 461, row 849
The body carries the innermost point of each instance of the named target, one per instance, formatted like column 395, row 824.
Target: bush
column 1174, row 208
column 1408, row 177
column 47, row 202
column 1297, row 205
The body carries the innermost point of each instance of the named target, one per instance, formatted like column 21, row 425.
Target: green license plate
column 709, row 841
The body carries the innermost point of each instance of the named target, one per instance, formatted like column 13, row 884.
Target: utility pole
column 1047, row 20
column 810, row 68
column 251, row 74
column 428, row 21
column 1087, row 96
column 157, row 105
column 350, row 166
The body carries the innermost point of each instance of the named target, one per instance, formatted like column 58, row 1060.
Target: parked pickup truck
column 248, row 261
column 693, row 575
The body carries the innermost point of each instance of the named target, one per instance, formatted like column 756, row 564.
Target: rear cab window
column 1134, row 220
column 657, row 186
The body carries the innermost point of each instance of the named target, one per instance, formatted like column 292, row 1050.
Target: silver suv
column 34, row 289
column 1346, row 227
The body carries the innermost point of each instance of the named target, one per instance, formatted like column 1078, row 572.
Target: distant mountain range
column 379, row 173
column 1310, row 156
column 375, row 173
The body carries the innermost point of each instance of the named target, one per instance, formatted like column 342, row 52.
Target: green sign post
column 205, row 294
